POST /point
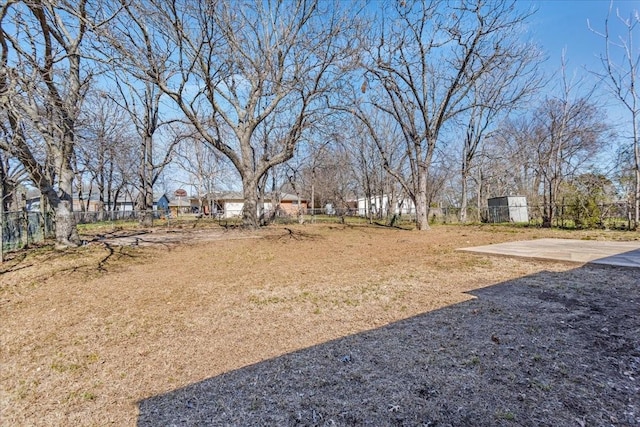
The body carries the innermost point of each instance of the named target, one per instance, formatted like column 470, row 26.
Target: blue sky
column 562, row 24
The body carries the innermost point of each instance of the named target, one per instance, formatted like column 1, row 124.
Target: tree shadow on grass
column 14, row 262
column 547, row 349
column 34, row 254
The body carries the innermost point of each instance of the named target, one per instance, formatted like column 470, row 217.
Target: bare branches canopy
column 423, row 67
column 416, row 96
column 231, row 68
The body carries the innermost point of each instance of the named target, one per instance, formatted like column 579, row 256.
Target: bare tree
column 507, row 162
column 104, row 148
column 325, row 174
column 560, row 139
column 141, row 100
column 203, row 166
column 422, row 68
column 570, row 135
column 622, row 76
column 495, row 95
column 127, row 66
column 12, row 175
column 42, row 84
column 312, row 172
column 375, row 148
column 228, row 66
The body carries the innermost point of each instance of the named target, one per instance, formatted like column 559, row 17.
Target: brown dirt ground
column 316, row 325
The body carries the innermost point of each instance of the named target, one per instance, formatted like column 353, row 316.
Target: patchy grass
column 90, row 333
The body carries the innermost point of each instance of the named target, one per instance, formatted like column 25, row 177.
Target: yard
column 321, row 324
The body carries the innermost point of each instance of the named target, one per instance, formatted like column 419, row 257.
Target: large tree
column 422, row 67
column 228, row 66
column 42, row 84
column 621, row 74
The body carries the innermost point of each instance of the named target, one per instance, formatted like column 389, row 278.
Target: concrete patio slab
column 624, row 254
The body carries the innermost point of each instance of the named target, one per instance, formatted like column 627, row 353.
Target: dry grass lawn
column 90, row 334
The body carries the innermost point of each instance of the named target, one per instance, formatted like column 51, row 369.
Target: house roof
column 225, row 195
column 238, row 196
column 180, row 203
column 286, row 197
column 158, row 196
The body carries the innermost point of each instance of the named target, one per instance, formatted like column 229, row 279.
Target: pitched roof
column 226, row 195
column 181, row 203
column 286, row 197
column 237, row 195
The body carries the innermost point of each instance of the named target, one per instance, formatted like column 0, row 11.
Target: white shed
column 508, row 209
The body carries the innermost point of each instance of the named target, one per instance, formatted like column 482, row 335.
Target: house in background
column 162, row 203
column 290, row 204
column 230, row 204
column 379, row 206
column 180, row 206
column 227, row 204
column 93, row 204
column 86, row 204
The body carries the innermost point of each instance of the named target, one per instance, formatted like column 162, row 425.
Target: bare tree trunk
column 465, row 199
column 66, row 230
column 636, row 151
column 2, row 214
column 422, row 202
column 146, row 177
column 547, row 213
column 250, row 218
column 480, row 195
column 391, row 208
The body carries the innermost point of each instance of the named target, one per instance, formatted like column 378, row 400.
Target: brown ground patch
column 315, row 325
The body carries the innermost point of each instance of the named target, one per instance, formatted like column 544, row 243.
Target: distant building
column 231, row 203
column 379, row 206
column 162, row 204
column 508, row 209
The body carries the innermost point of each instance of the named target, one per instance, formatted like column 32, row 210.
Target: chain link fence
column 607, row 216
column 108, row 216
column 20, row 229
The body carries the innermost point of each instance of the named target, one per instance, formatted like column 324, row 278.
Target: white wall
column 378, row 204
column 232, row 209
